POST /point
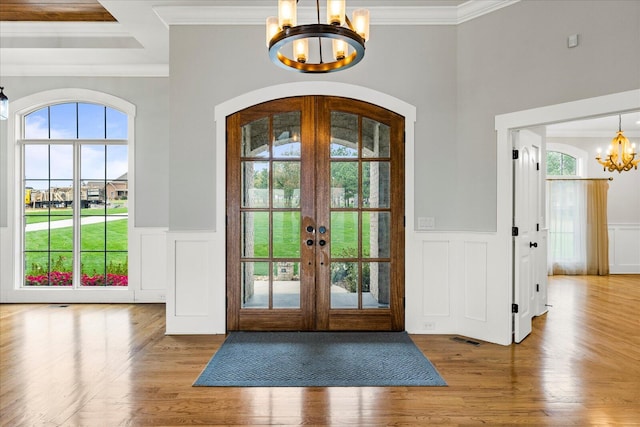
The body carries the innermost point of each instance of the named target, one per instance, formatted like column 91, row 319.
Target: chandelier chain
column 319, row 38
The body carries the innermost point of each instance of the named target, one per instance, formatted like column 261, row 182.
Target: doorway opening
column 506, row 125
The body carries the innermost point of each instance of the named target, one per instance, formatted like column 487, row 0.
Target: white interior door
column 526, row 219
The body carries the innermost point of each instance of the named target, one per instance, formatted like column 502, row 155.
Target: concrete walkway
column 69, row 222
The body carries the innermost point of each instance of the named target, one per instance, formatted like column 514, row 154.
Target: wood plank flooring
column 112, row 365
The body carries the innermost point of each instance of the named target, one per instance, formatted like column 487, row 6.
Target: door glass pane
column 255, row 234
column 286, row 234
column 375, row 139
column 255, row 284
column 344, row 285
column 255, row 184
column 344, row 234
column 375, row 185
column 286, row 134
column 376, row 234
column 344, row 184
column 344, row 135
column 376, row 279
column 286, row 184
column 255, row 138
column 286, row 284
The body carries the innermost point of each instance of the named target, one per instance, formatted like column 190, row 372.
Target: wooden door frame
column 214, row 320
column 315, row 312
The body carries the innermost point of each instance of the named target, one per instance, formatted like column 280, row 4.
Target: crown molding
column 474, row 8
column 85, row 70
column 172, row 14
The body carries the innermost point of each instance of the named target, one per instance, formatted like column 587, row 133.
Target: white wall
column 516, row 59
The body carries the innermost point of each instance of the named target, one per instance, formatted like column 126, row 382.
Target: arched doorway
column 315, row 216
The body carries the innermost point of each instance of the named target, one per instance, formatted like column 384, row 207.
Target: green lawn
column 33, row 216
column 286, row 240
column 92, row 239
column 286, row 236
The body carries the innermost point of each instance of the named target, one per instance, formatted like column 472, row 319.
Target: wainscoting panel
column 147, row 264
column 191, row 278
column 435, row 279
column 458, row 283
column 195, row 294
column 475, row 281
column 624, row 248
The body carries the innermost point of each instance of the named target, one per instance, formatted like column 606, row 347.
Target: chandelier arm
column 348, row 22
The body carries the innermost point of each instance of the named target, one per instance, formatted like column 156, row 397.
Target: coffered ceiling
column 131, row 37
column 54, row 10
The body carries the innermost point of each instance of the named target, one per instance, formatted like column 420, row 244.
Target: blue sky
column 65, row 121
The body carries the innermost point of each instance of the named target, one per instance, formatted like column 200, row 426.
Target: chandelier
column 288, row 42
column 620, row 154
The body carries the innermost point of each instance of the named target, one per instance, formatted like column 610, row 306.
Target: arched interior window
column 561, row 164
column 75, row 192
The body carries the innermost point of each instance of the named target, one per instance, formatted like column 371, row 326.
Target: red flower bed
column 59, row 278
column 99, row 280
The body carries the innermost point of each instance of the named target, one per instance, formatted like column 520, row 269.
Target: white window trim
column 575, row 152
column 11, row 273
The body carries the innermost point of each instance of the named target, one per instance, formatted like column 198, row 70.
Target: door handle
column 309, row 242
column 533, row 244
column 321, row 242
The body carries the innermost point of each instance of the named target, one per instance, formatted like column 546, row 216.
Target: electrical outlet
column 429, row 326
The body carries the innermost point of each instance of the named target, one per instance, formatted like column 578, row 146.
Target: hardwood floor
column 112, row 365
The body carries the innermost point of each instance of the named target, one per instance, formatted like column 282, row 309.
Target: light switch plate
column 426, row 223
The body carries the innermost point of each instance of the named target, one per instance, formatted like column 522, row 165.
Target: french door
column 315, row 216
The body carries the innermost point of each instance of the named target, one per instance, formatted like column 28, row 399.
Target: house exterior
column 461, row 84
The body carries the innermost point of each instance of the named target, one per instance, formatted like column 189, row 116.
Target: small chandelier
column 620, row 154
column 288, row 42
